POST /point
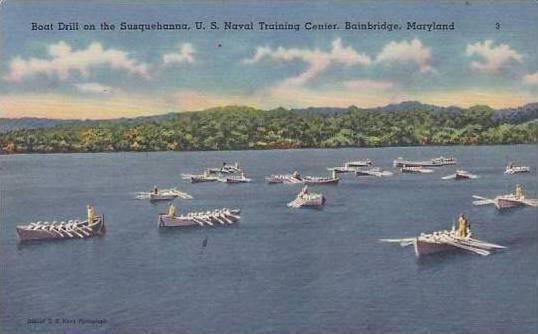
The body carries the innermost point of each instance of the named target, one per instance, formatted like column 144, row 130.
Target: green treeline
column 240, row 128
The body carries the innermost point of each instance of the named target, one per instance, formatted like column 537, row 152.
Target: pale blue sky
column 64, row 74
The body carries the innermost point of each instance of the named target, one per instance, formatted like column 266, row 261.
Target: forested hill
column 237, row 127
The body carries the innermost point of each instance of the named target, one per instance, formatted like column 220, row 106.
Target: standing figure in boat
column 296, row 175
column 172, row 211
column 91, row 214
column 304, row 191
column 155, row 190
column 464, row 226
column 518, row 193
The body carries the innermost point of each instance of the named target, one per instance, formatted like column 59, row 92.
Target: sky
column 490, row 58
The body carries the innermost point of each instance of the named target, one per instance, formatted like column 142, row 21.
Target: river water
column 279, row 270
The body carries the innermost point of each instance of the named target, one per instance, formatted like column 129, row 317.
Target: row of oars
column 207, row 218
column 484, row 201
column 477, row 246
column 469, row 244
column 71, row 228
column 287, row 179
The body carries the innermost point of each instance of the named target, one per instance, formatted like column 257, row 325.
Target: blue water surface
column 280, row 270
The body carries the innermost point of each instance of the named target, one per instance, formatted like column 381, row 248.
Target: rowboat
column 512, row 169
column 320, row 180
column 343, row 169
column 284, row 179
column 307, row 199
column 163, row 195
column 226, row 169
column 374, row 171
column 415, row 170
column 460, row 175
column 506, row 201
column 351, row 166
column 359, row 163
column 441, row 241
column 222, row 216
column 197, row 178
column 72, row 229
column 435, row 162
column 234, row 179
column 443, row 161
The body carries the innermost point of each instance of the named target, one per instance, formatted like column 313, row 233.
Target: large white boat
column 434, row 162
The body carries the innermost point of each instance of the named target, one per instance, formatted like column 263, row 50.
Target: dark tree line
column 240, row 128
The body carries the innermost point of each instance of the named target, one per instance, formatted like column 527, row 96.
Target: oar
column 72, row 230
column 217, row 218
column 403, row 242
column 82, row 231
column 483, row 200
column 469, row 248
column 223, row 215
column 481, row 244
column 196, row 221
column 531, row 202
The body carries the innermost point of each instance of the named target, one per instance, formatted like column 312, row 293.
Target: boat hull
column 200, row 179
column 153, row 197
column 517, row 170
column 461, row 177
column 321, row 181
column 25, row 233
column 506, row 203
column 423, row 247
column 283, row 179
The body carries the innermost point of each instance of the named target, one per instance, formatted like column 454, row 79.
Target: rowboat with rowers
column 448, row 240
column 70, row 229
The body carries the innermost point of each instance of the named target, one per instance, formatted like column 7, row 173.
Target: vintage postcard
column 268, row 166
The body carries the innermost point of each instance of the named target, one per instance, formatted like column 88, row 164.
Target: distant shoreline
column 266, row 149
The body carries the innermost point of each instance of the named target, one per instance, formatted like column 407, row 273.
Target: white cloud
column 405, row 52
column 531, row 79
column 94, row 88
column 493, row 57
column 63, row 60
column 184, row 54
column 317, row 60
column 368, row 85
